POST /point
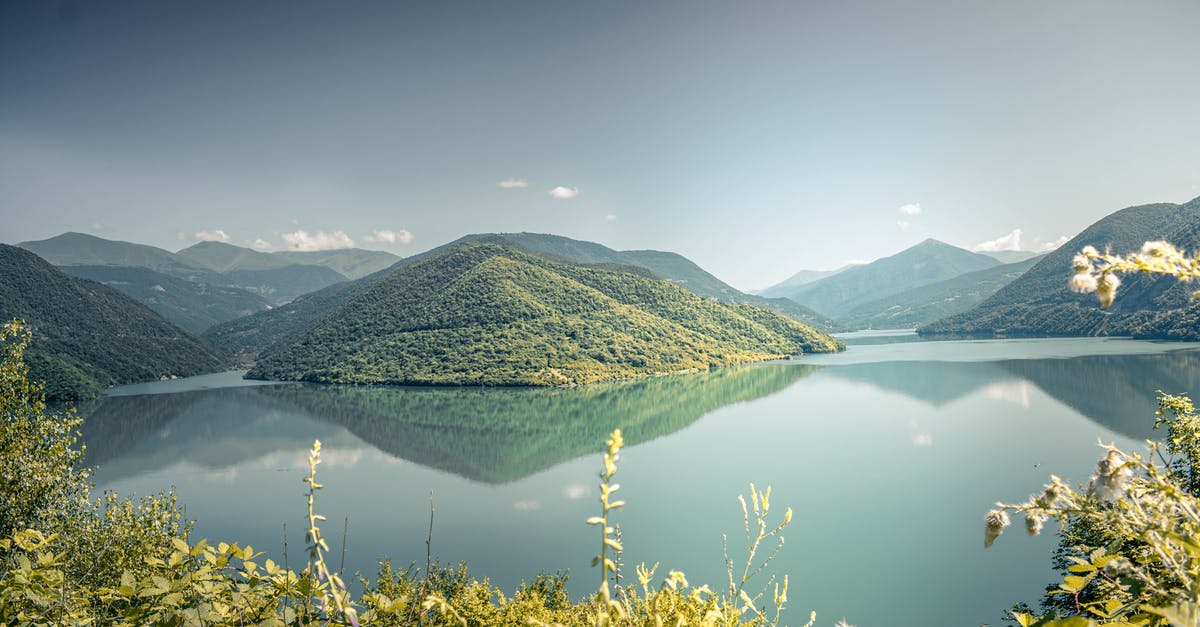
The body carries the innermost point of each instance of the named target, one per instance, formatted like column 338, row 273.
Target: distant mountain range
column 87, row 336
column 928, row 262
column 1038, row 302
column 277, row 277
column 478, row 313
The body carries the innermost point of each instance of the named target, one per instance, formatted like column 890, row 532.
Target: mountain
column 87, row 336
column 1038, row 303
column 1011, row 256
column 667, row 265
column 248, row 337
column 482, row 314
column 194, row 307
column 80, row 249
column 922, row 305
column 928, row 262
column 349, row 263
column 803, row 277
column 352, row 263
column 275, row 278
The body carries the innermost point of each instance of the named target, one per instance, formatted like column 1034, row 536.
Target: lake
column 889, row 455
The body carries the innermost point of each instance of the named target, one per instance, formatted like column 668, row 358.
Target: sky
column 757, row 138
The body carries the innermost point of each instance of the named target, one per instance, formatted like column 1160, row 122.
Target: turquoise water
column 889, row 454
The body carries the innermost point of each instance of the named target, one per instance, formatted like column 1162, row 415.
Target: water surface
column 889, row 454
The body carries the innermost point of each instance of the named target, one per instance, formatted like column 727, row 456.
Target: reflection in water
column 491, row 435
column 1116, row 391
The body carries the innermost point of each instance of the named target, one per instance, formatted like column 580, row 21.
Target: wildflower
column 1082, row 283
column 1112, row 477
column 1081, row 264
column 1157, row 248
column 1033, row 522
column 1090, row 251
column 1106, row 288
column 996, row 520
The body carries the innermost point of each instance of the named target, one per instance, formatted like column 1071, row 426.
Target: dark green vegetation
column 922, row 305
column 667, row 265
column 929, row 262
column 1038, row 303
column 191, row 305
column 248, row 337
column 486, row 314
column 88, row 336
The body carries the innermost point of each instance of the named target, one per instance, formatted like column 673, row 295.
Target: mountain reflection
column 491, row 435
column 1116, row 391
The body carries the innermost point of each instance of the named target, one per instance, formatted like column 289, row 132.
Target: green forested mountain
column 928, row 262
column 1039, row 303
column 667, row 265
column 922, row 305
column 87, row 336
column 487, row 314
column 277, row 279
column 248, row 337
column 193, row 306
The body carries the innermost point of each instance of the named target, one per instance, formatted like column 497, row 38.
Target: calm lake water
column 889, row 454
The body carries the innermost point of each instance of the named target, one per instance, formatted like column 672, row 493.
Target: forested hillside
column 486, row 314
column 1038, row 303
column 87, row 336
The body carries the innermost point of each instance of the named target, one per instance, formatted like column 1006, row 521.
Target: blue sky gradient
column 756, row 138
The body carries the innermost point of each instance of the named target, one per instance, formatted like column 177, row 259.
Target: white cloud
column 514, row 184
column 384, row 236
column 902, row 224
column 98, row 227
column 922, row 439
column 261, row 244
column 295, row 221
column 1012, row 241
column 214, row 236
column 564, row 192
column 1046, row 247
column 911, row 209
column 303, row 241
column 612, row 217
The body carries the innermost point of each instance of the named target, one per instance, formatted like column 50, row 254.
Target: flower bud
column 995, row 522
column 1106, row 288
column 1082, row 283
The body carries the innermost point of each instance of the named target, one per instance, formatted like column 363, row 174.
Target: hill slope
column 80, row 249
column 87, row 336
column 928, row 262
column 194, row 307
column 1038, row 303
column 667, row 265
column 487, row 314
column 922, row 305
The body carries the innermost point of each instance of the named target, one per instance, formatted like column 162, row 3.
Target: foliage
column 88, row 336
column 483, row 314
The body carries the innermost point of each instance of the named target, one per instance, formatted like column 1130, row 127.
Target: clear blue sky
column 757, row 138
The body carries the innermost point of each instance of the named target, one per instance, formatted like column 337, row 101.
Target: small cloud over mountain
column 612, row 217
column 514, row 184
column 304, row 241
column 902, row 224
column 216, row 235
column 1011, row 241
column 261, row 244
column 911, row 209
column 1046, row 247
column 385, row 236
column 563, row 193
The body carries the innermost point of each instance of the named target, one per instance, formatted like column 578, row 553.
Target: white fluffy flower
column 1082, row 283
